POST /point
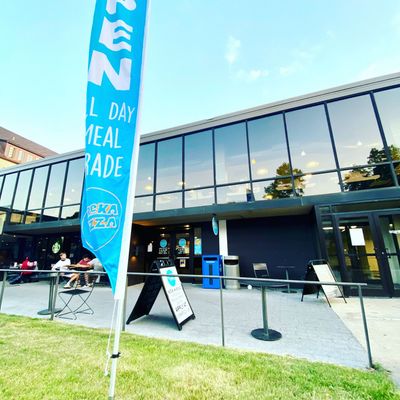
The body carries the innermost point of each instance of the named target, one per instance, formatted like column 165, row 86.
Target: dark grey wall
column 210, row 243
column 276, row 241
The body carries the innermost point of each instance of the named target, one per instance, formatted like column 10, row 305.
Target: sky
column 204, row 58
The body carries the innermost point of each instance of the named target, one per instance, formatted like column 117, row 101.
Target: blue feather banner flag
column 111, row 143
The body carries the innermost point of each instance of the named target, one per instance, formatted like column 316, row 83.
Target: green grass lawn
column 41, row 359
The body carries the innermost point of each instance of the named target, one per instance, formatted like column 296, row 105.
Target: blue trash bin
column 211, row 265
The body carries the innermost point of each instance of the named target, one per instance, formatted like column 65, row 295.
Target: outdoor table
column 49, row 310
column 265, row 333
column 286, row 268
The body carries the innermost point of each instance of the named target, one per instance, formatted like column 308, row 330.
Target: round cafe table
column 265, row 333
column 50, row 306
column 286, row 268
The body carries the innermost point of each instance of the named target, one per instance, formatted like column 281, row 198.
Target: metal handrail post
column 3, row 287
column 222, row 313
column 54, row 293
column 264, row 310
column 365, row 326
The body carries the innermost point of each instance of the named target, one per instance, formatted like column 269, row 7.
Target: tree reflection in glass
column 372, row 177
column 282, row 187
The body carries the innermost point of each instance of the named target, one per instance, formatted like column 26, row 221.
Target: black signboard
column 174, row 292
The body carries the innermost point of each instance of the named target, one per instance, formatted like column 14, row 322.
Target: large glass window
column 70, row 212
column 50, row 214
column 21, row 195
column 56, row 182
column 202, row 197
column 8, row 190
column 38, row 188
column 367, row 178
column 309, row 140
column 355, row 131
column 388, row 103
column 199, row 160
column 143, row 204
column 73, row 187
column 232, row 194
column 311, row 184
column 273, row 189
column 268, row 151
column 169, row 165
column 169, row 201
column 145, row 175
column 231, row 161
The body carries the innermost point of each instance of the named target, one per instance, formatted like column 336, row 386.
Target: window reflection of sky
column 231, row 154
column 309, row 141
column 355, row 130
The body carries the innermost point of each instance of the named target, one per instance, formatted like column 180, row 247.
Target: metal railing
column 54, row 277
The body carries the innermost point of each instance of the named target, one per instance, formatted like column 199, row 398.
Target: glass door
column 182, row 250
column 389, row 229
column 361, row 253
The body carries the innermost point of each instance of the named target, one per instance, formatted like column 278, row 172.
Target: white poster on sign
column 324, row 274
column 357, row 237
column 177, row 297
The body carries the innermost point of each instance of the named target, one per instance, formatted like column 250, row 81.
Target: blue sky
column 204, row 58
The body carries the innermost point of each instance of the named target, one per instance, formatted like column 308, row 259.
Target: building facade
column 307, row 178
column 15, row 149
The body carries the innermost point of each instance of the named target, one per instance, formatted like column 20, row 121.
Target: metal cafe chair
column 261, row 271
column 75, row 301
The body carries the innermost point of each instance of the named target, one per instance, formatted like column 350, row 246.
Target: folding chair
column 261, row 271
column 75, row 301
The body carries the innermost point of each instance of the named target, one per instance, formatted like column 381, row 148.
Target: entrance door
column 363, row 255
column 389, row 229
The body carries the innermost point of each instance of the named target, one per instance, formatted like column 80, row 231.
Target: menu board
column 176, row 296
column 324, row 274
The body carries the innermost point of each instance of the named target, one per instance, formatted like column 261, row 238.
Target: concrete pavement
column 383, row 319
column 310, row 330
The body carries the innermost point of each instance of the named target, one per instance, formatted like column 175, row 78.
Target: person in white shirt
column 62, row 264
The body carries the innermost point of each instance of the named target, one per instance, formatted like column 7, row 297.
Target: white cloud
column 251, row 75
column 232, row 50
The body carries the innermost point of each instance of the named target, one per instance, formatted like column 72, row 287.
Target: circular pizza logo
column 102, row 218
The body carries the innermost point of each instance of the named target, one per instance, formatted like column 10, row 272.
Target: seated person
column 97, row 266
column 25, row 276
column 28, row 267
column 75, row 277
column 62, row 265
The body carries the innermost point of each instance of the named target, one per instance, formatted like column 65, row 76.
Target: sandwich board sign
column 174, row 292
column 319, row 270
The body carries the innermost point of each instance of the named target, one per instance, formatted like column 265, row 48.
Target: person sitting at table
column 96, row 266
column 62, row 265
column 75, row 277
column 25, row 276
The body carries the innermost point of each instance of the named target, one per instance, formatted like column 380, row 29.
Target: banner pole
column 120, row 291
